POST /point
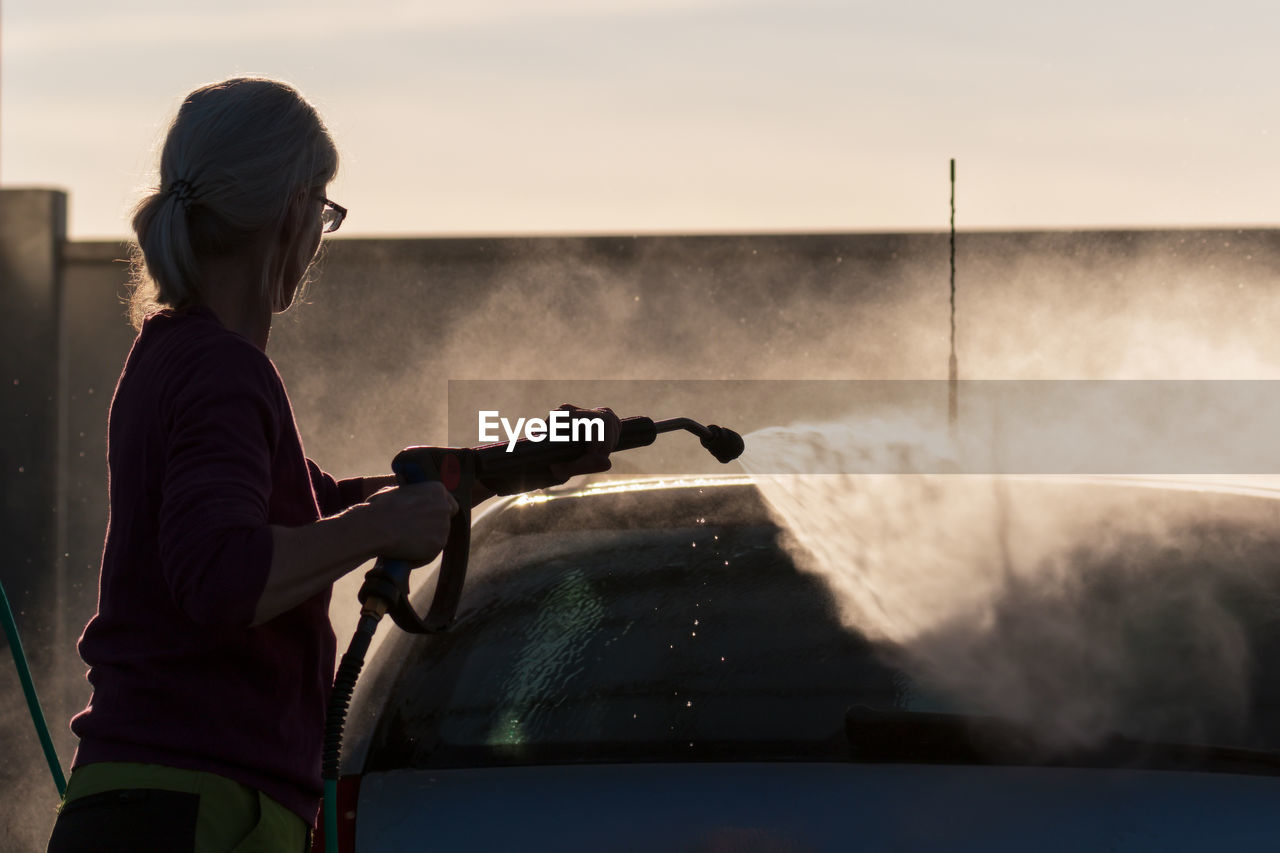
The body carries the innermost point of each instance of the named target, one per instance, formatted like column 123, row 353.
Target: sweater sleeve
column 333, row 496
column 214, row 537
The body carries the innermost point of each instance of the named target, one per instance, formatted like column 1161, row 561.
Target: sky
column 680, row 116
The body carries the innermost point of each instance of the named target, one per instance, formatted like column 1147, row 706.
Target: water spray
column 503, row 471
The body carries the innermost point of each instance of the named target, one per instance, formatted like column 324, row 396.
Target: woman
column 211, row 653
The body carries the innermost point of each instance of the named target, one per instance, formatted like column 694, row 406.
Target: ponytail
column 164, row 264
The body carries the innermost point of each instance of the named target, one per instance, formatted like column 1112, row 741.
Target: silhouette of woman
column 211, row 652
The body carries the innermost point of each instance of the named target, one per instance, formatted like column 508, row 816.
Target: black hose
column 344, row 684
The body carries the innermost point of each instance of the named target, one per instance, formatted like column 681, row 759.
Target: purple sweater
column 204, row 455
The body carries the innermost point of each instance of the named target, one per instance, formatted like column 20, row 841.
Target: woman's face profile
column 302, row 249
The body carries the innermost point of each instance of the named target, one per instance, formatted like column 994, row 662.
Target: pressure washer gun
column 525, row 467
column 503, row 471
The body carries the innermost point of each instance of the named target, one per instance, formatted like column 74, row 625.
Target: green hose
column 331, row 816
column 29, row 688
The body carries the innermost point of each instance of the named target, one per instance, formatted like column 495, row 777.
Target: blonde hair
column 233, row 158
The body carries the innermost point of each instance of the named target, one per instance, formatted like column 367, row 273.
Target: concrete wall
column 31, row 239
column 368, row 356
column 32, row 234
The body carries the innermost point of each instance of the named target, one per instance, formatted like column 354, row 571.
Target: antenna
column 953, row 373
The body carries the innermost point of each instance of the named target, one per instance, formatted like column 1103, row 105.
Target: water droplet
column 689, row 704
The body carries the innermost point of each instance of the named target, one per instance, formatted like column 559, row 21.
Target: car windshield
column 666, row 624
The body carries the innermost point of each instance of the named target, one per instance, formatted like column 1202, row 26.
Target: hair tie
column 184, row 191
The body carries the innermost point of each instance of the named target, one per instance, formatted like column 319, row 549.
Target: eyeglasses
column 331, row 217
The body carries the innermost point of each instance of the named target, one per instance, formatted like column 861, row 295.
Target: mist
column 988, row 598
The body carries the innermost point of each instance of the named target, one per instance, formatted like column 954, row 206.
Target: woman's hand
column 409, row 523
column 412, row 520
column 596, row 459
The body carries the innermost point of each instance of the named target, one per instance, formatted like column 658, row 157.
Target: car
column 656, row 665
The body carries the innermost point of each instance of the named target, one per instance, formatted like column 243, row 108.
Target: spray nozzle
column 725, row 444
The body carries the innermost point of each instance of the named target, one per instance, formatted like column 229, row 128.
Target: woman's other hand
column 596, row 459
